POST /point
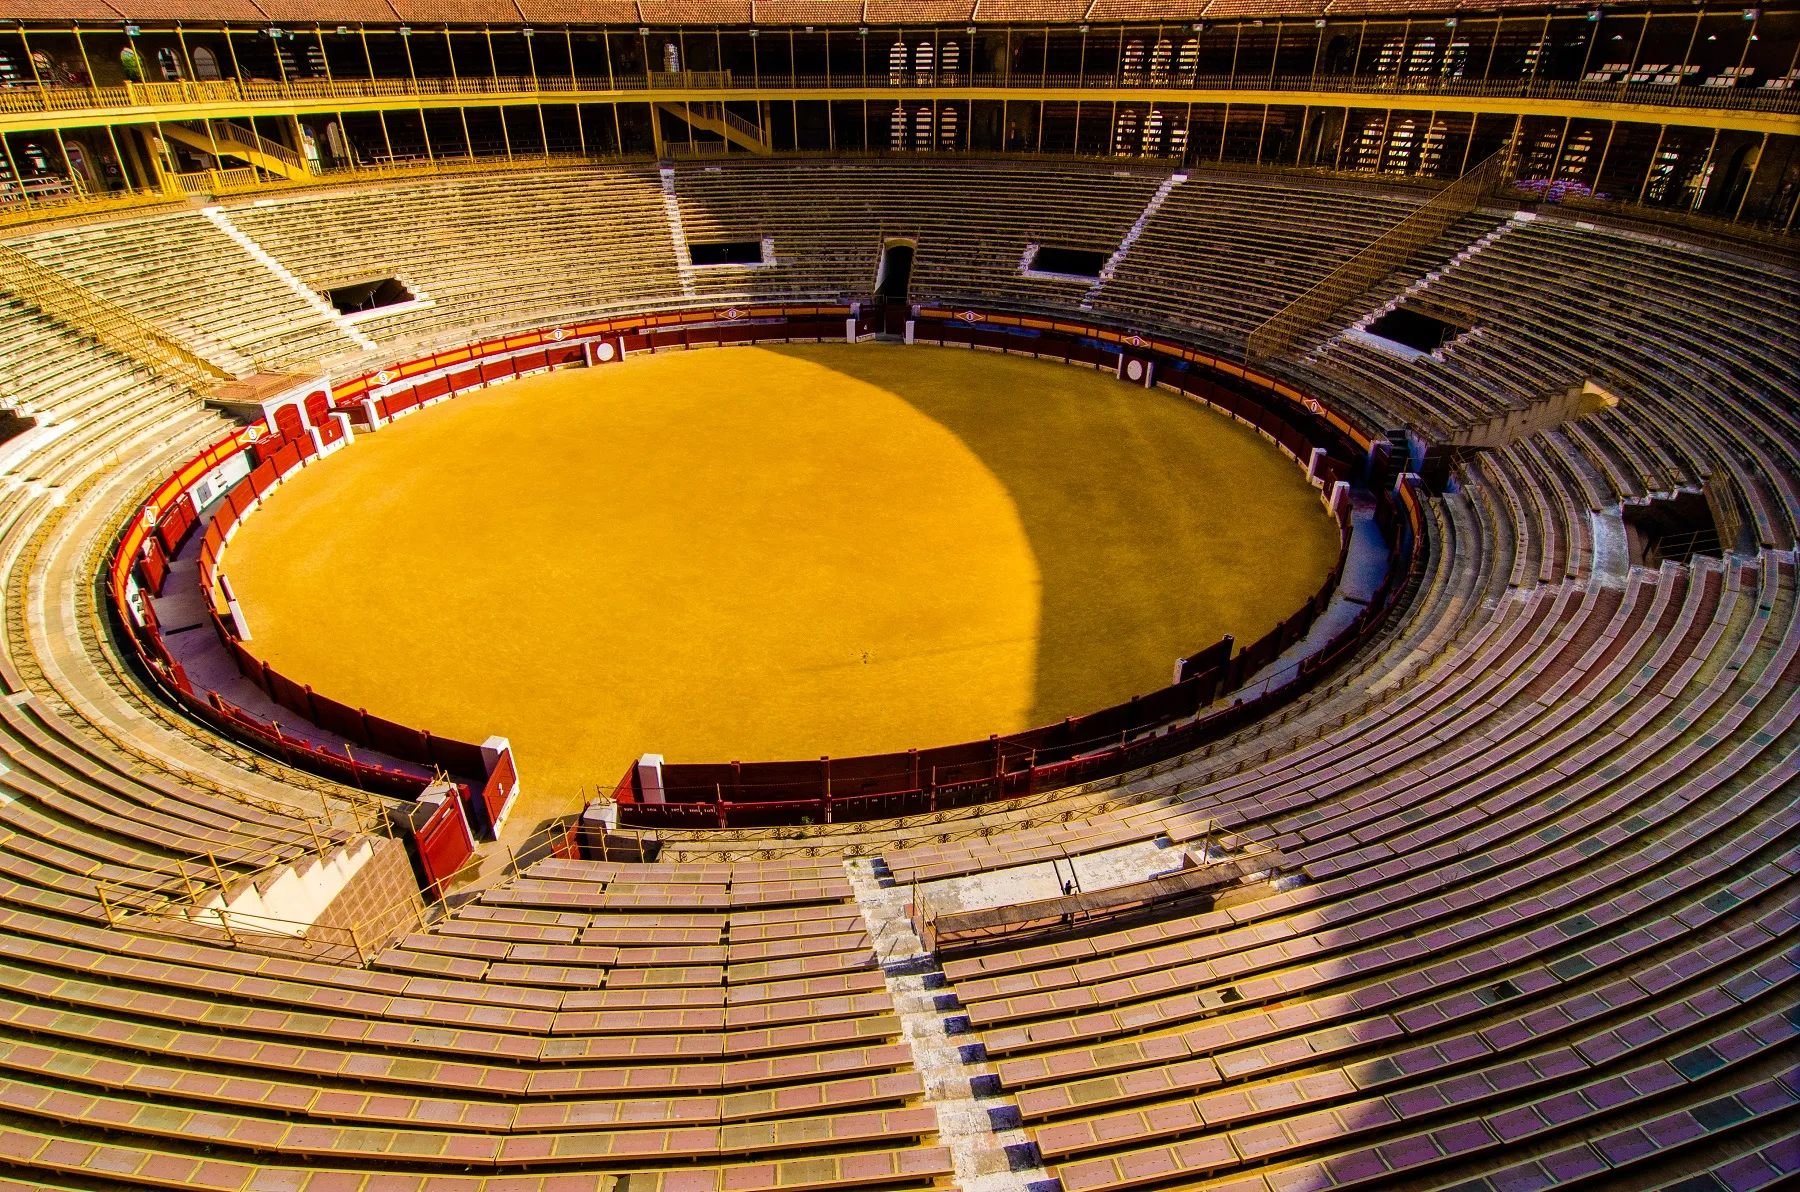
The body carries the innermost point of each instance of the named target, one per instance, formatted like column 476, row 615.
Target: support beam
column 31, row 111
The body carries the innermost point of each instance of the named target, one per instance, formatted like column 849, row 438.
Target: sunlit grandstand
column 1003, row 595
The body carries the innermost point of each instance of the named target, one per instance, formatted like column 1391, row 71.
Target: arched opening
column 894, row 279
column 1132, row 67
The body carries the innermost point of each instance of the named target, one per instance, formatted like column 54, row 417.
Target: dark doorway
column 368, row 295
column 735, row 252
column 895, row 278
column 1418, row 331
column 1069, row 262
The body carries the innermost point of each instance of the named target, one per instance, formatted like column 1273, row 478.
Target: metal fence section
column 107, row 322
column 131, row 95
column 1378, row 259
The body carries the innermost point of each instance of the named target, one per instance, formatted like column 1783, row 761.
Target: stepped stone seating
column 183, row 274
column 1702, row 349
column 967, row 250
column 1225, row 252
column 484, row 249
column 1524, row 903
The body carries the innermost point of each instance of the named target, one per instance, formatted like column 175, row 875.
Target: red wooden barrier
column 153, row 568
column 877, row 785
column 500, row 786
column 444, row 844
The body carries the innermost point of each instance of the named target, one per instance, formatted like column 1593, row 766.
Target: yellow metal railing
column 199, row 907
column 105, row 321
column 1376, row 260
column 77, row 206
column 235, row 182
column 178, row 93
column 244, row 135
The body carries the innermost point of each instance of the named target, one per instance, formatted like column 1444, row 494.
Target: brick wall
column 380, row 902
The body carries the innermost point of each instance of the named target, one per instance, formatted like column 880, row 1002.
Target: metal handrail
column 1424, row 86
column 265, row 932
column 246, row 135
column 106, row 321
column 1375, row 261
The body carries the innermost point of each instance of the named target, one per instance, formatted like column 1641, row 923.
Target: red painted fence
column 767, row 792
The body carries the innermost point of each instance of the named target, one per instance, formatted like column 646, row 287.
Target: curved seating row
column 1526, row 909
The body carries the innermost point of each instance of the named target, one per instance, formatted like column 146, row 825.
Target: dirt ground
column 758, row 553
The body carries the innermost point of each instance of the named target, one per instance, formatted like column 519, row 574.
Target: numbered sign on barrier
column 1137, row 370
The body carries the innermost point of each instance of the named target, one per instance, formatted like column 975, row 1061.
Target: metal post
column 1738, row 211
column 413, row 73
column 494, row 71
column 82, row 46
column 1644, row 187
column 456, row 85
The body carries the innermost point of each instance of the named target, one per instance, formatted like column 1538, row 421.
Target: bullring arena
column 872, row 548
column 1052, row 597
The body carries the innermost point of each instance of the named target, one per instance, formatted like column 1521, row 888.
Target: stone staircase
column 1131, row 237
column 1474, row 249
column 979, row 1123
column 684, row 263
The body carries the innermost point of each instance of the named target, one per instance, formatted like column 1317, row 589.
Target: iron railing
column 1425, row 87
column 1375, row 261
column 106, row 321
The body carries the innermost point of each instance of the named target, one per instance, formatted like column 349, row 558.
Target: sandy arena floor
column 773, row 552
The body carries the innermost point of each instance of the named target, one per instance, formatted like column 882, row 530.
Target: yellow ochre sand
column 759, row 553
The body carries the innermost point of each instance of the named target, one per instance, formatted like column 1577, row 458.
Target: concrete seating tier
column 1522, row 878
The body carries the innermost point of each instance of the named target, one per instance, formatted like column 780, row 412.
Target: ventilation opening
column 895, row 277
column 368, row 295
column 13, row 424
column 1420, row 332
column 1070, row 262
column 731, row 252
column 1679, row 525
